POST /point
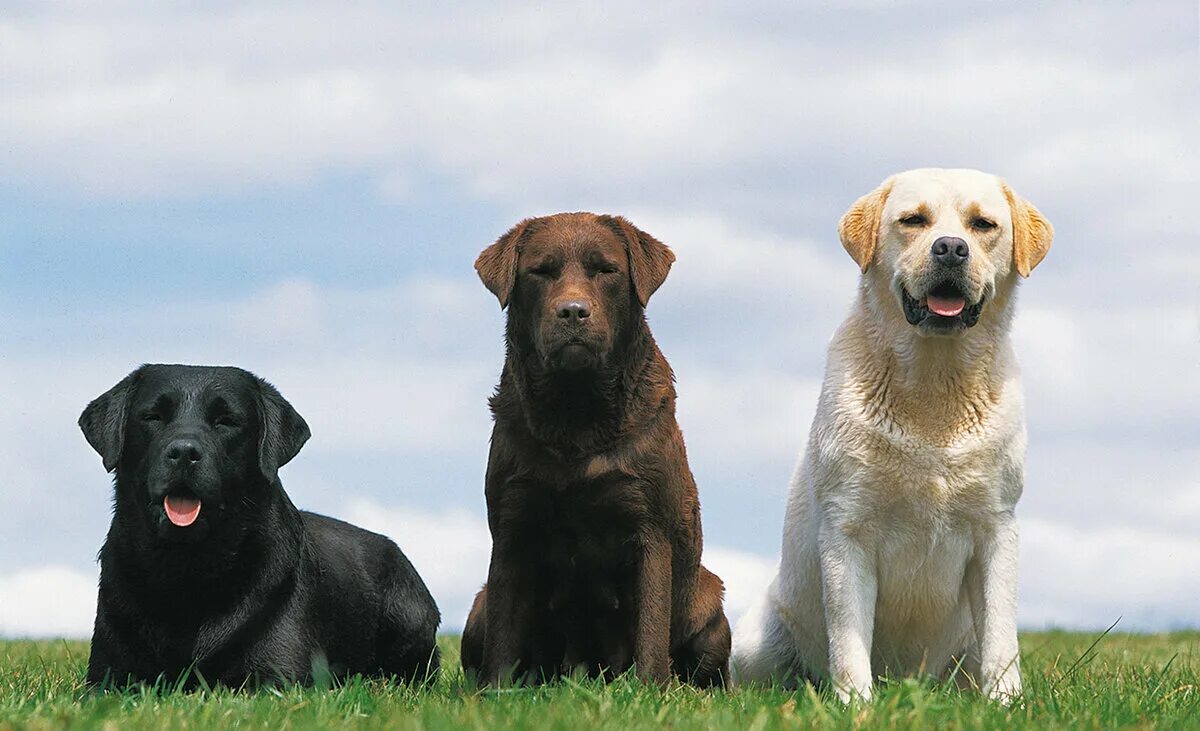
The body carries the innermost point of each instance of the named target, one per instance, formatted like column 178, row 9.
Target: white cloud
column 1088, row 578
column 745, row 415
column 50, row 601
column 738, row 260
column 745, row 575
column 290, row 311
column 1124, row 366
column 607, row 105
column 1099, row 481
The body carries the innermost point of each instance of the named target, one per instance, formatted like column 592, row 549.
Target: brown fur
column 594, row 514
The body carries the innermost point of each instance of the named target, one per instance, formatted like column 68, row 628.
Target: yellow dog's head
column 943, row 247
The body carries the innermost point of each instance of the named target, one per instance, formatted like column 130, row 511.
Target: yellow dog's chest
column 908, row 477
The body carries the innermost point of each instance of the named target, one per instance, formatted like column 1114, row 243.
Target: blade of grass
column 1075, row 665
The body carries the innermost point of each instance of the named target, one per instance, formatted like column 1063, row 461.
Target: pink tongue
column 946, row 306
column 182, row 511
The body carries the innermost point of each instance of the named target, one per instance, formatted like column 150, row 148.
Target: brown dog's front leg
column 652, row 638
column 508, row 614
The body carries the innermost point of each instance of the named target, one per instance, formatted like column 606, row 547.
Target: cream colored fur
column 899, row 548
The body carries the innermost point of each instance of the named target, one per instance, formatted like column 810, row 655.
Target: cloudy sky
column 301, row 189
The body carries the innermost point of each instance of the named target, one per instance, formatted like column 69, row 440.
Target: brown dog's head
column 946, row 244
column 575, row 285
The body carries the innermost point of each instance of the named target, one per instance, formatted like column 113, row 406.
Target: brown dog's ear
column 103, row 421
column 1032, row 233
column 497, row 265
column 649, row 259
column 859, row 227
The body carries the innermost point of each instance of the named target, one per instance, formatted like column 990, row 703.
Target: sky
column 301, row 189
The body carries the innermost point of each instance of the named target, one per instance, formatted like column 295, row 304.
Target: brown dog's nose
column 950, row 251
column 574, row 310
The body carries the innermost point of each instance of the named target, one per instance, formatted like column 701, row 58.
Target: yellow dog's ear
column 859, row 227
column 1032, row 233
column 497, row 265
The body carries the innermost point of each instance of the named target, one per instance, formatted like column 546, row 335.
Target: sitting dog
column 899, row 542
column 593, row 511
column 209, row 573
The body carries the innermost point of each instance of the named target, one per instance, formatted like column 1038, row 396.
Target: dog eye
column 543, row 270
column 226, row 421
column 982, row 224
column 150, row 416
column 607, row 269
column 916, row 219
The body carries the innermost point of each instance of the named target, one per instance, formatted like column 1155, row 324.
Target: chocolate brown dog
column 593, row 511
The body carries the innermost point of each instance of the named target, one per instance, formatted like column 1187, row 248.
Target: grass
column 1121, row 681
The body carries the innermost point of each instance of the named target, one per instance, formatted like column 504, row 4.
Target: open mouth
column 182, row 510
column 944, row 307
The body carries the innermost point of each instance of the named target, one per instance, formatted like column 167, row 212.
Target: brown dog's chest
column 590, row 520
column 582, row 536
column 582, row 539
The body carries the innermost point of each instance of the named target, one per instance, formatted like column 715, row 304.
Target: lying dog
column 210, row 572
column 899, row 543
column 593, row 511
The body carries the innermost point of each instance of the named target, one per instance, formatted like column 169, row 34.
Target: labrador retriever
column 209, row 574
column 899, row 542
column 594, row 514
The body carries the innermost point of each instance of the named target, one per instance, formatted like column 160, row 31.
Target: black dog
column 209, row 572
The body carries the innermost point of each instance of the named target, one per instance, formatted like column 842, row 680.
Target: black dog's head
column 574, row 284
column 191, row 443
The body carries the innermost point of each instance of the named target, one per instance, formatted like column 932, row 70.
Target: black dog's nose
column 950, row 251
column 574, row 309
column 183, row 450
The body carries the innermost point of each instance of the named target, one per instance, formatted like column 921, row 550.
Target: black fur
column 255, row 591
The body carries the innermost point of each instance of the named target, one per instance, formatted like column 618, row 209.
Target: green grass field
column 1146, row 681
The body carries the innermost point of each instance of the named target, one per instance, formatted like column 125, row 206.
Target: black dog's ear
column 649, row 259
column 103, row 421
column 282, row 432
column 497, row 264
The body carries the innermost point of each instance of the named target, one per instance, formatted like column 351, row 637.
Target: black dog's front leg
column 103, row 670
column 111, row 663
